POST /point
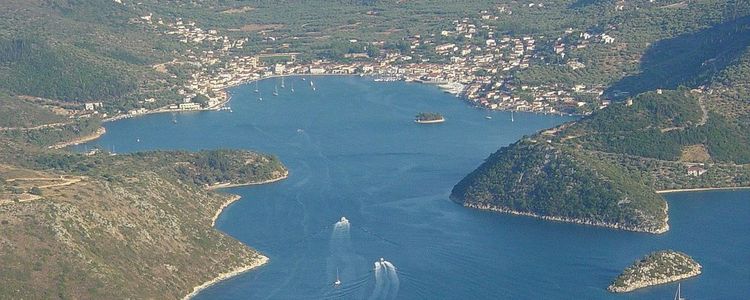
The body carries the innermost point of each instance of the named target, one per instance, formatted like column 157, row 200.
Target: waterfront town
column 479, row 70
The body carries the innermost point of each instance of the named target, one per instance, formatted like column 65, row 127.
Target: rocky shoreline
column 430, row 121
column 234, row 198
column 229, row 184
column 242, row 269
column 262, row 260
column 80, row 140
column 655, row 269
column 658, row 230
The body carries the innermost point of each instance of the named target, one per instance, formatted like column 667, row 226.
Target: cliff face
column 654, row 269
column 542, row 179
column 125, row 226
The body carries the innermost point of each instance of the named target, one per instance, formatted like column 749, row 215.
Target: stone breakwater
column 658, row 268
column 655, row 230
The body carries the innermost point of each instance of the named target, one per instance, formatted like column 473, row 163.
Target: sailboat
column 678, row 295
column 276, row 90
column 256, row 87
column 511, row 116
column 312, row 85
column 174, row 118
column 260, row 98
column 282, row 82
column 292, row 86
column 338, row 281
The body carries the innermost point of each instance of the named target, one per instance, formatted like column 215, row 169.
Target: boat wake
column 344, row 265
column 386, row 281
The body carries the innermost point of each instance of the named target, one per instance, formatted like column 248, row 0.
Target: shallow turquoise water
column 354, row 151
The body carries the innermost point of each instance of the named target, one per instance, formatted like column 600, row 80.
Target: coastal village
column 479, row 70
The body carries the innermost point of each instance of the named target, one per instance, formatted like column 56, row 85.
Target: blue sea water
column 353, row 151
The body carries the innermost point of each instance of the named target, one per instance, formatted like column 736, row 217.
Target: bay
column 353, row 151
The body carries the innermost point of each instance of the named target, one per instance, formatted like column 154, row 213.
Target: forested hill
column 541, row 179
column 605, row 168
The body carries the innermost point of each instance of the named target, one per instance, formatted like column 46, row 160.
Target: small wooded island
column 429, row 118
column 656, row 268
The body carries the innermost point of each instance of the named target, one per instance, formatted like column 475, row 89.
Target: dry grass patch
column 257, row 27
column 238, row 10
column 695, row 153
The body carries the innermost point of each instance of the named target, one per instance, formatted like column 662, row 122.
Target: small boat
column 338, row 281
column 292, row 86
column 256, row 87
column 511, row 117
column 488, row 117
column 303, row 79
column 678, row 295
column 282, row 82
column 276, row 91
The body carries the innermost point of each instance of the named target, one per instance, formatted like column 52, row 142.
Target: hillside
column 95, row 227
column 539, row 179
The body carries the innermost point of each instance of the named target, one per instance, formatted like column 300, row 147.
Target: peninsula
column 605, row 169
column 128, row 202
column 656, row 268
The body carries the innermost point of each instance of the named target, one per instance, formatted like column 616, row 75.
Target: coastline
column 453, row 88
column 262, row 260
column 229, row 184
column 646, row 284
column 703, row 189
column 659, row 230
column 429, row 121
column 80, row 140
